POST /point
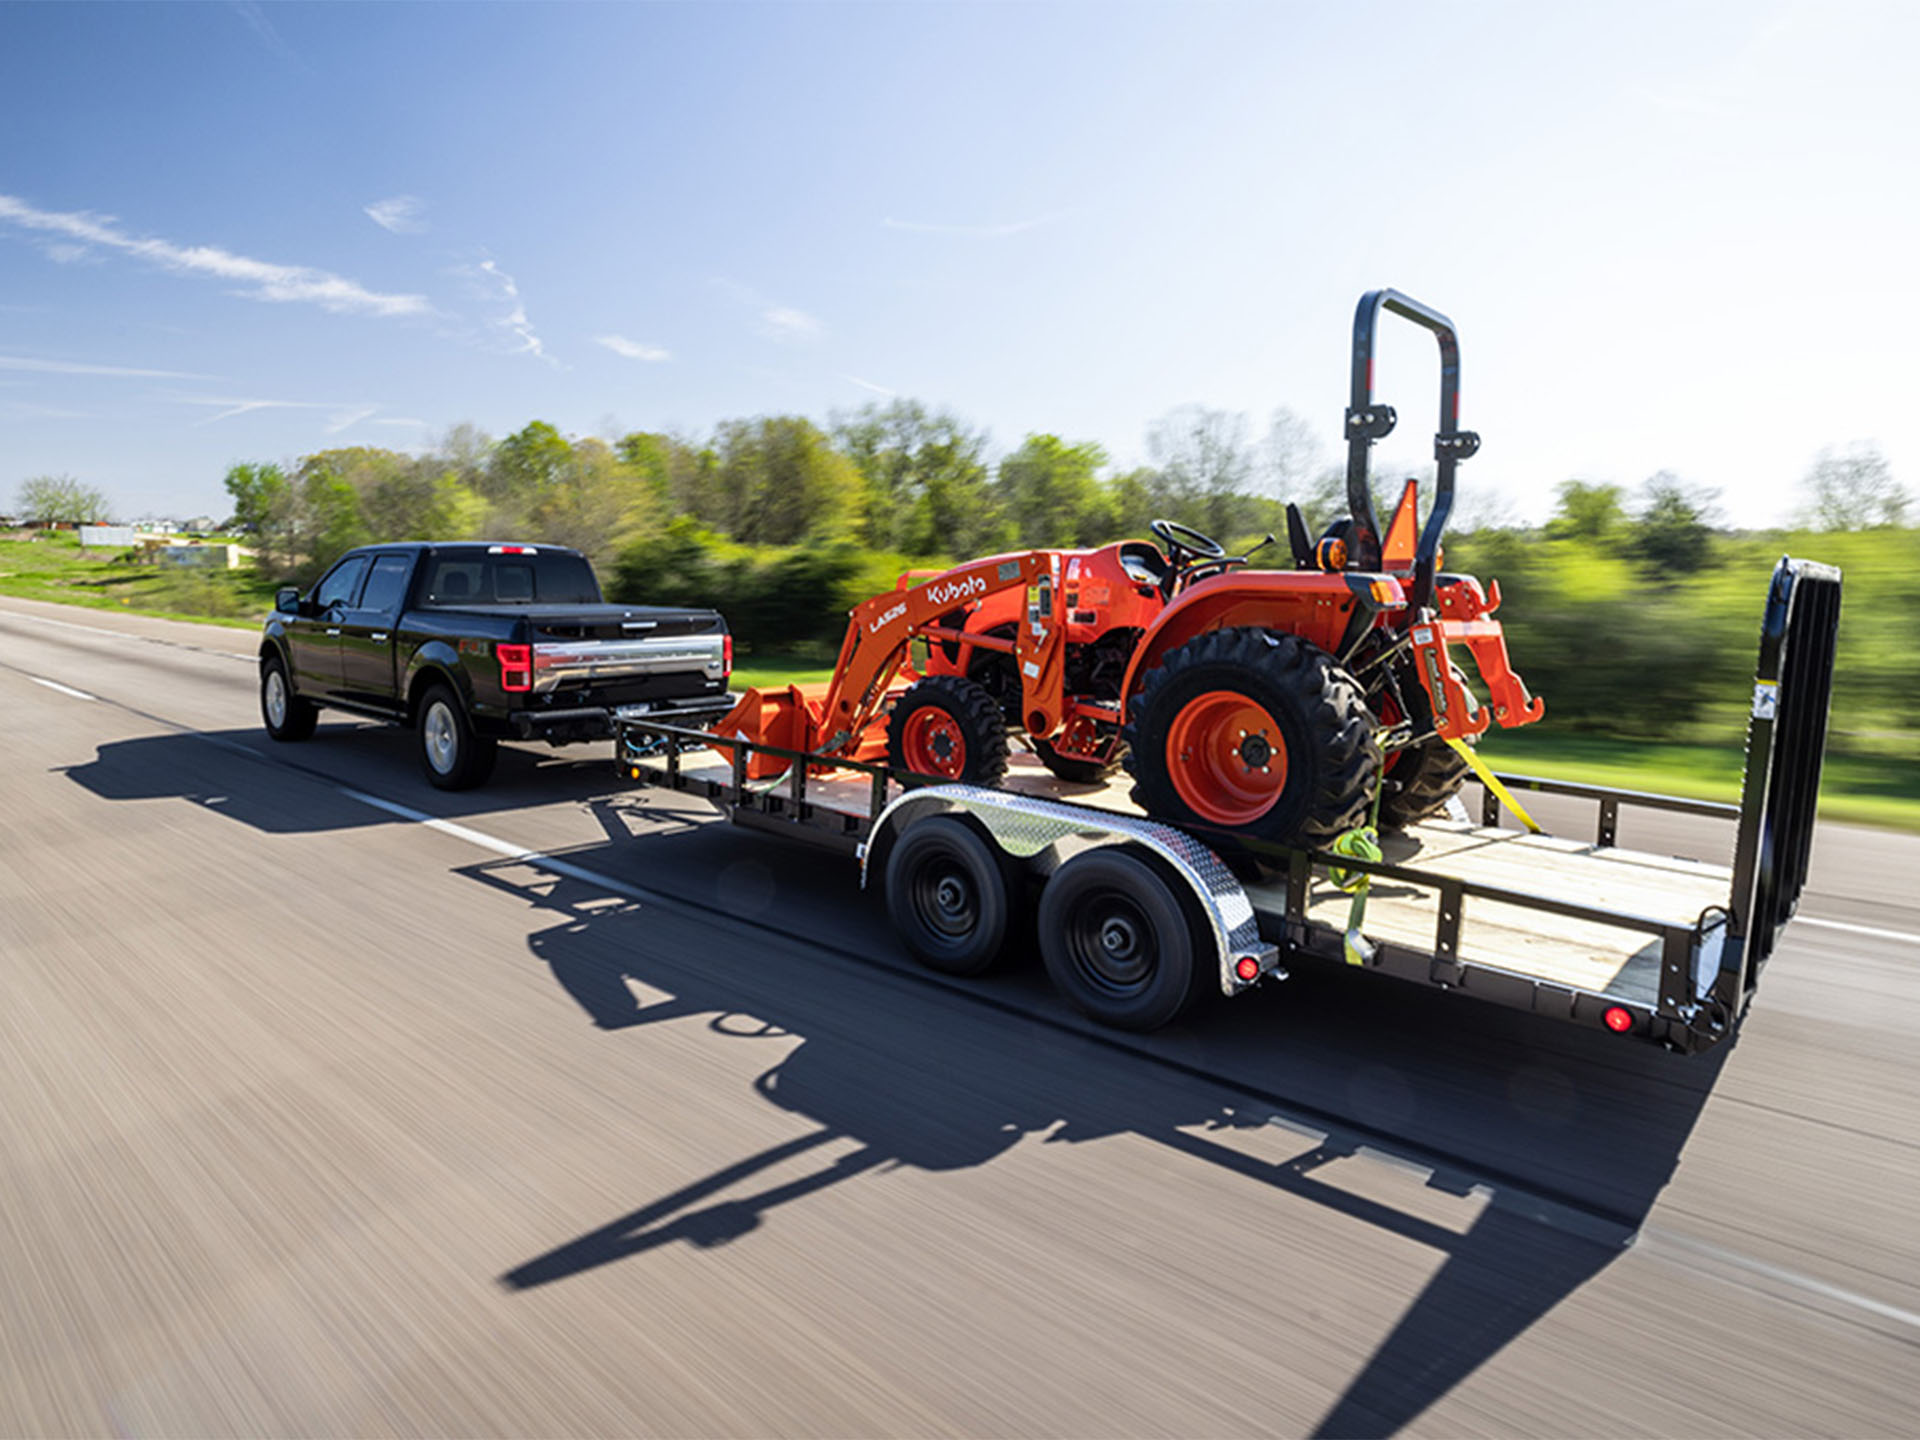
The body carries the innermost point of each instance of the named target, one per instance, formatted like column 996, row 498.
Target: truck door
column 366, row 631
column 314, row 638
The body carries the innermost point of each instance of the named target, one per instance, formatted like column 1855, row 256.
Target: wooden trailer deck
column 1606, row 960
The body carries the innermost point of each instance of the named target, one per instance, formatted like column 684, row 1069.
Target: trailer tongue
column 1136, row 918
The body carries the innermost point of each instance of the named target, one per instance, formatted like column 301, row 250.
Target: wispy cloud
column 348, row 418
column 266, row 280
column 228, row 406
column 632, row 349
column 75, row 367
column 400, row 420
column 515, row 329
column 869, row 385
column 783, row 322
column 256, row 20
column 972, row 232
column 402, row 214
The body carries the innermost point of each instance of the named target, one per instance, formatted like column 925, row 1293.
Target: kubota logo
column 957, row 590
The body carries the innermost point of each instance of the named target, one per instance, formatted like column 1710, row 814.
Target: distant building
column 201, row 557
column 107, row 537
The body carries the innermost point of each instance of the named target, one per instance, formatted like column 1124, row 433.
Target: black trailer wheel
column 452, row 755
column 1253, row 733
column 285, row 714
column 948, row 729
column 950, row 893
column 1117, row 941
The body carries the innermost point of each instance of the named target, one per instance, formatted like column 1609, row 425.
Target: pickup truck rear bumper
column 595, row 722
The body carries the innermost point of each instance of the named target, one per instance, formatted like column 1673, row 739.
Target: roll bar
column 1368, row 422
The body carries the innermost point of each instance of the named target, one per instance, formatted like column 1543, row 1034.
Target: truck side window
column 387, row 585
column 342, row 583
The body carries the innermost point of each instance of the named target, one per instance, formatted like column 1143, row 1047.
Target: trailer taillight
column 516, row 667
column 1619, row 1019
column 1247, row 968
column 726, row 656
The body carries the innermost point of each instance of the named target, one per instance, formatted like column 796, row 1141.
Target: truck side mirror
column 286, row 600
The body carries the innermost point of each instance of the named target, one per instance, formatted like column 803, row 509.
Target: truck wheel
column 1420, row 780
column 1116, row 940
column 286, row 715
column 1255, row 733
column 454, row 757
column 950, row 893
column 947, row 729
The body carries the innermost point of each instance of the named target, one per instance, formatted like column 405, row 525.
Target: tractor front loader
column 1276, row 705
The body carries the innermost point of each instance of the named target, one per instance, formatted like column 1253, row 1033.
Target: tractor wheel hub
column 1255, row 752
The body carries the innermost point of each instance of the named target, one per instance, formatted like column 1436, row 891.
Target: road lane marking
column 63, row 689
column 124, row 634
column 1662, row 1239
column 1874, row 931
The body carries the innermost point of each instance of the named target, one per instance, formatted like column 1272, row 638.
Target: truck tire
column 285, row 714
column 946, row 729
column 1251, row 733
column 452, row 755
column 951, row 894
column 1117, row 941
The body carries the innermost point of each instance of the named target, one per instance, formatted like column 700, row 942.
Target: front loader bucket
column 784, row 718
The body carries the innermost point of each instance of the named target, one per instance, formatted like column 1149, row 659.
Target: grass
column 57, row 569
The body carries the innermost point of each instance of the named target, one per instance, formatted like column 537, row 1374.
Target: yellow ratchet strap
column 1479, row 768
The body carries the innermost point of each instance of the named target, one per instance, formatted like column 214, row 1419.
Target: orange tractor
column 1268, row 704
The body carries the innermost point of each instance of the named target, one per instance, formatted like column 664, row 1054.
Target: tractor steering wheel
column 1185, row 540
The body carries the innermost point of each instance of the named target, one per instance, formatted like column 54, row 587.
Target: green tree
column 526, row 462
column 1206, row 466
column 779, row 480
column 926, row 478
column 1671, row 533
column 1854, row 490
column 594, row 504
column 1587, row 510
column 61, row 499
column 1049, row 492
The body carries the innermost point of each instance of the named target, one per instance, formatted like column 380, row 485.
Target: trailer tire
column 947, row 729
column 951, row 894
column 1117, row 940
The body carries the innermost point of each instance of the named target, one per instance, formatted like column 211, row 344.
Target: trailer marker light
column 1619, row 1019
column 1247, row 968
column 516, row 667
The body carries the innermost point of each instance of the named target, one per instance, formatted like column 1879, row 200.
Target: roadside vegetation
column 1635, row 613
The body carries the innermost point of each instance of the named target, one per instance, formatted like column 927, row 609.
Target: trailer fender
column 1027, row 827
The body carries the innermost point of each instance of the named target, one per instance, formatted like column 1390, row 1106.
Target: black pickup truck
column 470, row 643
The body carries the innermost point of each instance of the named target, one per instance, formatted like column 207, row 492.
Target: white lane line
column 1877, row 934
column 1671, row 1240
column 63, row 689
column 503, row 847
column 123, row 634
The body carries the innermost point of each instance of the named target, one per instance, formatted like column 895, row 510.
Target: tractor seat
column 1145, row 565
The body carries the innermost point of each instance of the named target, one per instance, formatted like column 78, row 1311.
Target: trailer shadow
column 908, row 1085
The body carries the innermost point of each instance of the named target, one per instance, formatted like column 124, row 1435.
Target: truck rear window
column 543, row 578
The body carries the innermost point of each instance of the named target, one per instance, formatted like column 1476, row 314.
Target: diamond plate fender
column 1025, row 825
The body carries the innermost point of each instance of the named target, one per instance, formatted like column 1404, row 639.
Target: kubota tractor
column 1267, row 704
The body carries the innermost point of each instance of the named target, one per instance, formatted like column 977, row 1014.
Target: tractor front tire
column 947, row 730
column 1254, row 734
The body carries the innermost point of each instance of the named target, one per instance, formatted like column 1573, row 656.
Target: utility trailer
column 1136, row 918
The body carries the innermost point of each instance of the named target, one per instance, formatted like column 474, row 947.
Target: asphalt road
column 331, row 1104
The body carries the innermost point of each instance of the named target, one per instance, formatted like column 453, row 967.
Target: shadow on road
column 889, row 1078
column 218, row 772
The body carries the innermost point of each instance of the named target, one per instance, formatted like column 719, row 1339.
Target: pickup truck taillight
column 726, row 656
column 516, row 667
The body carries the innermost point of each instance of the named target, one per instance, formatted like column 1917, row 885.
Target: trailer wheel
column 947, row 728
column 1117, row 941
column 950, row 893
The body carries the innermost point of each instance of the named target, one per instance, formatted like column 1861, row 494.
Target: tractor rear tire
column 1418, row 782
column 1256, row 734
column 947, row 730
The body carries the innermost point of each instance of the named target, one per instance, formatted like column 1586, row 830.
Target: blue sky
column 1673, row 236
